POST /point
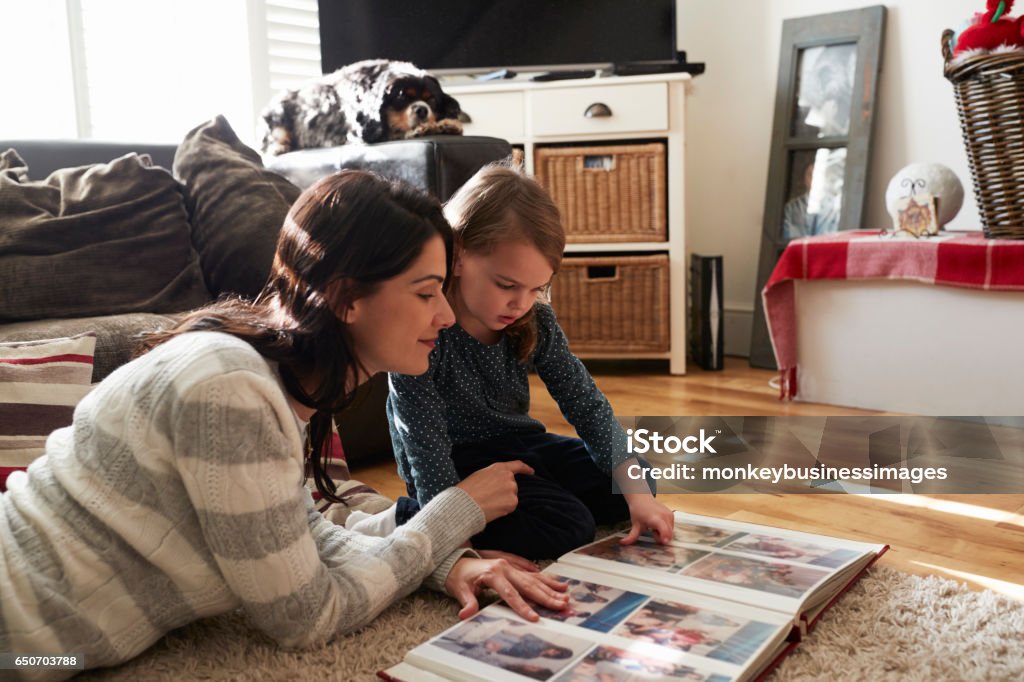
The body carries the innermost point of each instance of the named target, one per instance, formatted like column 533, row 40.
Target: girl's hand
column 494, row 488
column 468, row 576
column 647, row 513
column 514, row 559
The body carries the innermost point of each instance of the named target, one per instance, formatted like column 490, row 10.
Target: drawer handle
column 606, row 273
column 464, row 117
column 598, row 110
column 605, row 162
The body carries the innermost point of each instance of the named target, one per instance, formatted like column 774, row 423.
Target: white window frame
column 283, row 51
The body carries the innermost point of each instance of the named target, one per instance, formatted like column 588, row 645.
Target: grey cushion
column 235, row 205
column 117, row 336
column 95, row 240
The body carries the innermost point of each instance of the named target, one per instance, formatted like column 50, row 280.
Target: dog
column 362, row 103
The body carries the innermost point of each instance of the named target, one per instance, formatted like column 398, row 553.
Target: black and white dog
column 362, row 103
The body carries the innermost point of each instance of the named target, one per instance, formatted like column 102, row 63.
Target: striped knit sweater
column 178, row 494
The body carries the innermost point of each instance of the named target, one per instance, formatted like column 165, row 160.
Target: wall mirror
column 821, row 138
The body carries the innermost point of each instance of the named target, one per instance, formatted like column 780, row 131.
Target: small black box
column 706, row 315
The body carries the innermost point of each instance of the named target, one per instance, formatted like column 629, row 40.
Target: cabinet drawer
column 611, row 193
column 617, row 304
column 499, row 114
column 634, row 108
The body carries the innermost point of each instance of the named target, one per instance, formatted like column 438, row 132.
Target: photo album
column 724, row 601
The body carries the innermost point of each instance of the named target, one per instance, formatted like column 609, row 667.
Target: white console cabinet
column 642, row 108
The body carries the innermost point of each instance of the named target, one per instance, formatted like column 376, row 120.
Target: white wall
column 730, row 111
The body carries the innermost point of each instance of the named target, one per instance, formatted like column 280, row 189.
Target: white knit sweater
column 178, row 494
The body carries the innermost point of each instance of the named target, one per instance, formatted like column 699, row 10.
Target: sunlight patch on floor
column 1009, row 589
column 950, row 507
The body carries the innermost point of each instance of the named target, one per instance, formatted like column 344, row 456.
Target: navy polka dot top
column 474, row 392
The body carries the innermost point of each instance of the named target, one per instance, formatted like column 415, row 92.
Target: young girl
column 178, row 491
column 470, row 409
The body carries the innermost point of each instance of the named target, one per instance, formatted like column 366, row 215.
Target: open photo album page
column 610, row 631
column 774, row 568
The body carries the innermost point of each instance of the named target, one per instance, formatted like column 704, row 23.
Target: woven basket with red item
column 986, row 68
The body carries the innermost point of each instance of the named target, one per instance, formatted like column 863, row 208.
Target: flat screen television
column 477, row 36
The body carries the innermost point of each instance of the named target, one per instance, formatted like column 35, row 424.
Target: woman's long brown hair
column 344, row 235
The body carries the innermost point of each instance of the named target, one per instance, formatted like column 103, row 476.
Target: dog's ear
column 373, row 131
column 280, row 112
column 376, row 97
column 278, row 122
column 449, row 107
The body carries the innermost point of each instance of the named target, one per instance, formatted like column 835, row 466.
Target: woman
column 178, row 491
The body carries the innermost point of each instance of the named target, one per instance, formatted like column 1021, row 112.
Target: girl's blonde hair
column 500, row 205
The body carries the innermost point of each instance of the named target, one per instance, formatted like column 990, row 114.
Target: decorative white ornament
column 931, row 178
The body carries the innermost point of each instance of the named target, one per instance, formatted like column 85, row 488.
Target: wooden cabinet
column 602, row 112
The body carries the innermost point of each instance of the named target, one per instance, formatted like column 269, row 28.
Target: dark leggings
column 560, row 505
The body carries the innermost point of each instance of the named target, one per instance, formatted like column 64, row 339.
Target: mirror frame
column 866, row 29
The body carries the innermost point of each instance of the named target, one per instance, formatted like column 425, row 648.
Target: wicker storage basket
column 612, row 193
column 989, row 92
column 613, row 304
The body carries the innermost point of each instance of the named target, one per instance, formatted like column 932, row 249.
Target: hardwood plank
column 976, row 539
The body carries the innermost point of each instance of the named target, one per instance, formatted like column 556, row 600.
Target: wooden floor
column 976, row 539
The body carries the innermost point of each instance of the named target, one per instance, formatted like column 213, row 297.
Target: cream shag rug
column 890, row 626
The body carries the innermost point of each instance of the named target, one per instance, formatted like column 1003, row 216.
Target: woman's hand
column 514, row 559
column 468, row 576
column 647, row 513
column 494, row 488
